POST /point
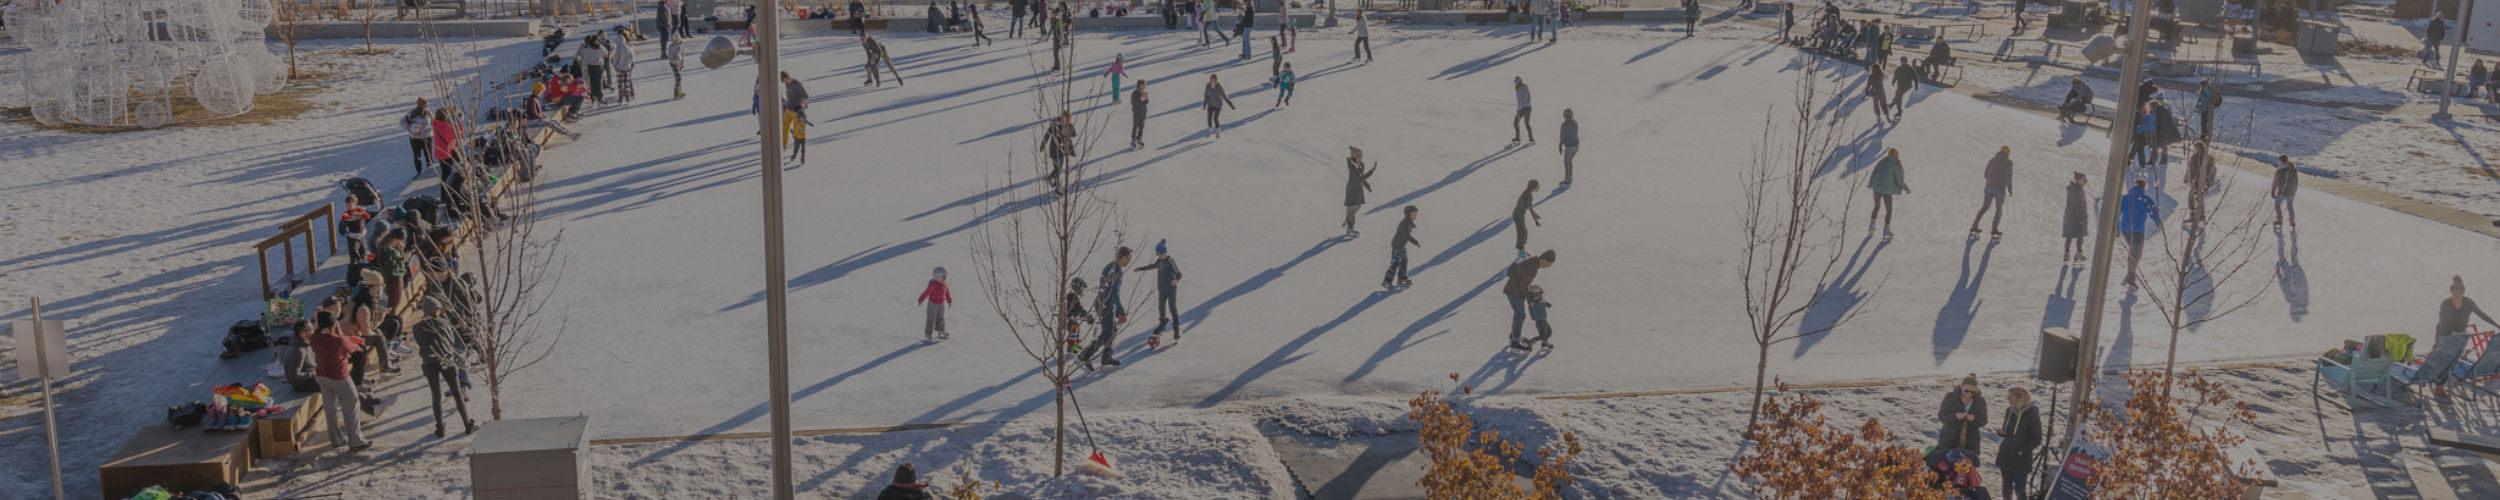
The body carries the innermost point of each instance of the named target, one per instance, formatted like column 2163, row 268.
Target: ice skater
column 2134, row 211
column 2000, row 183
column 1570, row 146
column 1363, row 39
column 2078, row 219
column 1284, row 87
column 1108, row 312
column 1904, row 80
column 1887, row 181
column 980, row 30
column 1875, row 91
column 1536, row 314
column 1275, row 58
column 1167, row 284
column 1519, row 86
column 1357, row 182
column 1523, row 213
column 1074, row 301
column 1216, row 101
column 675, row 51
column 1015, row 17
column 1059, row 143
column 622, row 60
column 1692, row 17
column 1285, row 30
column 938, row 298
column 793, row 112
column 1137, row 113
column 1395, row 276
column 420, row 125
column 877, row 56
column 1522, row 276
column 593, row 56
column 1119, row 68
column 1241, row 30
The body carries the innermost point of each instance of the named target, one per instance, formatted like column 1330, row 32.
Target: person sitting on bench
column 1940, row 56
column 2078, row 100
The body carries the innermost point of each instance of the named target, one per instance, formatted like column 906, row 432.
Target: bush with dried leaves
column 1471, row 464
column 1797, row 455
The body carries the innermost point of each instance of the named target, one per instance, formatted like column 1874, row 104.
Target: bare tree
column 2197, row 274
column 515, row 264
column 1033, row 240
column 1793, row 226
column 363, row 17
column 291, row 15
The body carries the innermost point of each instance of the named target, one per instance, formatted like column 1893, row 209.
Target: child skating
column 937, row 298
column 1167, row 307
column 1216, row 101
column 1284, row 87
column 1119, row 68
column 1357, row 182
column 1395, row 277
column 1536, row 313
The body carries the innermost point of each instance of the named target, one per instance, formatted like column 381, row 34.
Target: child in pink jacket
column 937, row 298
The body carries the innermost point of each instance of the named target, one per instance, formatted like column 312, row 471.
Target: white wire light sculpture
column 131, row 63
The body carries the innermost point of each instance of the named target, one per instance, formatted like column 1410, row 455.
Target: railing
column 300, row 226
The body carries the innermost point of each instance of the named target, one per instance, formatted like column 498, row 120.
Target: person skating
column 878, row 57
column 2209, row 100
column 1137, row 113
column 1216, row 101
column 339, row 398
column 980, row 30
column 1077, row 316
column 419, row 123
column 2438, row 31
column 1395, row 276
column 1570, row 146
column 2000, row 184
column 1523, row 275
column 1963, row 413
column 1888, row 180
column 1108, row 311
column 1875, row 91
column 1015, row 17
column 1536, row 314
column 1357, row 182
column 1275, row 58
column 2021, row 439
column 1241, row 29
column 1285, row 30
column 1284, row 87
column 2078, row 220
column 906, row 486
column 1524, row 213
column 1692, row 17
column 676, row 54
column 593, row 56
column 793, row 112
column 937, row 297
column 2021, row 23
column 2134, row 211
column 1519, row 87
column 1167, row 285
column 2286, row 184
column 439, row 345
column 1119, row 68
column 1059, row 143
column 1363, row 39
column 1904, row 79
column 2457, row 311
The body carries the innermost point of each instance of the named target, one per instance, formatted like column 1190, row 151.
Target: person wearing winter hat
column 1396, row 275
column 2456, row 311
column 938, row 298
column 1167, row 282
column 1357, row 181
column 906, row 486
column 1523, row 276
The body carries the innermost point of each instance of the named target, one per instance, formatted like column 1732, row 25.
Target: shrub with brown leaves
column 1470, row 464
column 1797, row 455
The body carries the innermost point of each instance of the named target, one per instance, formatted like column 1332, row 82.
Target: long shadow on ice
column 1199, row 314
column 1452, row 178
column 1478, row 65
column 1400, row 342
column 1953, row 322
column 1286, row 354
column 1835, row 304
column 2289, row 275
column 759, row 411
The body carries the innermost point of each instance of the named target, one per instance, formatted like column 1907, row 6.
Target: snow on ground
column 140, row 240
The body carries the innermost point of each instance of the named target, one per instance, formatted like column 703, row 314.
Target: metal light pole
column 2087, row 361
column 776, row 282
column 43, row 370
column 2446, row 85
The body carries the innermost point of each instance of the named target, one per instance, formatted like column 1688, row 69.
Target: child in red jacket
column 937, row 298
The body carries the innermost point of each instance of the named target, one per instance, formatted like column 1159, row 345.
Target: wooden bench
column 177, row 458
column 2350, row 378
column 460, row 7
column 2168, row 66
column 299, row 226
column 1942, row 28
column 2485, row 445
column 2429, row 80
column 2048, row 47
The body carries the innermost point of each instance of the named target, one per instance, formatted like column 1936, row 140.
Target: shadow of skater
column 1953, row 322
column 1835, row 303
column 2287, row 272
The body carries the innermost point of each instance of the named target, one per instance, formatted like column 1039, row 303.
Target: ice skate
column 1995, row 236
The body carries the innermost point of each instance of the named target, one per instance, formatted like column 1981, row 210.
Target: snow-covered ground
column 140, row 241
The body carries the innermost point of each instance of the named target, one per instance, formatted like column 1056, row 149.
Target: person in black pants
column 2022, row 439
column 440, row 345
column 1216, row 101
column 1396, row 275
column 1167, row 282
column 1137, row 126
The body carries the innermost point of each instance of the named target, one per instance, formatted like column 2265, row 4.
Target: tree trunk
column 1059, row 440
column 1761, row 365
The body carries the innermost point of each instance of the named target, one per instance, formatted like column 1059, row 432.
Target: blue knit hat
column 1159, row 247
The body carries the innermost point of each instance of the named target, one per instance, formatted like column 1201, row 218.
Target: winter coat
column 392, row 262
column 2286, row 180
column 2165, row 125
column 936, row 293
column 2479, row 73
column 898, row 492
column 420, row 125
column 1059, row 139
column 1522, row 90
column 437, row 341
column 794, row 96
column 2078, row 218
column 1076, row 310
column 2134, row 209
column 1137, row 103
column 1522, row 275
column 330, row 352
column 591, row 55
column 1356, row 181
column 1571, row 133
column 622, row 57
column 1958, row 433
column 2079, row 94
column 1216, row 95
column 1284, row 82
column 1888, row 179
column 1405, row 235
column 2022, row 437
column 1107, row 305
column 1167, row 274
column 2000, row 173
column 1519, row 211
column 446, row 137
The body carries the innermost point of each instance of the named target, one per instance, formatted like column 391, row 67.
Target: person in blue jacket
column 2134, row 211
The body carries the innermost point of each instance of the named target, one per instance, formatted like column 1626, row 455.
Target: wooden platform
column 179, row 459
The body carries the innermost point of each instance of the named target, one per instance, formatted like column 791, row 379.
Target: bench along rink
column 667, row 315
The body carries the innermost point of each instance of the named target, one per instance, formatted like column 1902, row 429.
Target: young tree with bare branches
column 364, row 17
column 2204, row 266
column 1035, row 239
column 290, row 17
column 1792, row 221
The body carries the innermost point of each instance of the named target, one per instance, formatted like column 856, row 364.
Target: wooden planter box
column 179, row 459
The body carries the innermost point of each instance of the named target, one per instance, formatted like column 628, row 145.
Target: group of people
column 1964, row 416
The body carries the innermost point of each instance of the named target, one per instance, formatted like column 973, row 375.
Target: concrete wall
column 410, row 29
column 1497, row 18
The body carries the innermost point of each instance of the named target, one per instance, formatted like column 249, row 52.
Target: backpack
column 187, row 414
column 425, row 207
column 245, row 336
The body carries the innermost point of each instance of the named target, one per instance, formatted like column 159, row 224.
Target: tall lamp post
column 776, row 282
column 2447, row 85
column 2087, row 361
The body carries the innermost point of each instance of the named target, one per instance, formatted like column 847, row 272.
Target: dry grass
column 2373, row 48
column 286, row 104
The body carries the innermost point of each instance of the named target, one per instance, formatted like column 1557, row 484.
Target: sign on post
column 55, row 354
column 2074, row 475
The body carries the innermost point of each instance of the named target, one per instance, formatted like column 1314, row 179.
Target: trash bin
column 531, row 459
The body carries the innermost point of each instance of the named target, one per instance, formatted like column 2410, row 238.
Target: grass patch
column 286, row 104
